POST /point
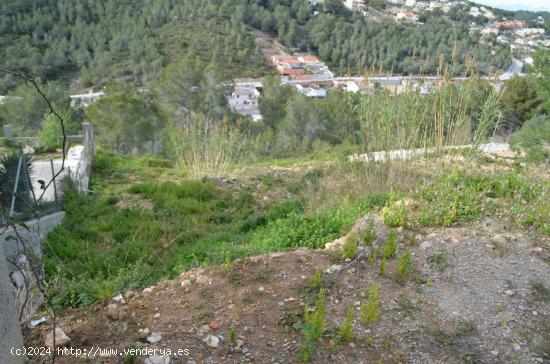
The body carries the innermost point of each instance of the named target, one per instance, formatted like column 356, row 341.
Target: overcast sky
column 535, row 5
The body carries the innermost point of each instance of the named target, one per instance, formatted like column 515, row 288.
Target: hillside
column 474, row 287
column 90, row 43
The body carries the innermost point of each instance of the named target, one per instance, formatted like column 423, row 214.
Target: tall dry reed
column 207, row 148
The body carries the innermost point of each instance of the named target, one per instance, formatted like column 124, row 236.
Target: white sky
column 535, row 5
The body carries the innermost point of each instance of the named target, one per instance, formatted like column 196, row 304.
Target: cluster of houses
column 299, row 65
column 301, row 69
column 516, row 33
column 244, row 99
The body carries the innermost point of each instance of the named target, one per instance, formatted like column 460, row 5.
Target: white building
column 474, row 11
column 85, row 100
column 528, row 32
column 312, row 91
column 244, row 101
column 407, row 16
column 355, row 5
column 3, row 99
column 243, row 97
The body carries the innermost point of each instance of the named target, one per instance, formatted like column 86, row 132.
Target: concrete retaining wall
column 20, row 263
column 10, row 331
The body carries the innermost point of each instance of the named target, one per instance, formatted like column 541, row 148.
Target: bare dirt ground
column 477, row 293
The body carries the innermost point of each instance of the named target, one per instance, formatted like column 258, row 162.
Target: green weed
column 438, row 260
column 404, row 265
column 316, row 281
column 369, row 311
column 346, row 330
column 390, row 247
column 382, row 266
column 314, row 327
column 395, row 215
column 350, row 247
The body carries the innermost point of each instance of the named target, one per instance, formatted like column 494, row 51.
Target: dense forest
column 95, row 41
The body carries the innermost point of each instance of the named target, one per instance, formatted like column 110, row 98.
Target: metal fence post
column 28, row 182
column 54, row 185
column 16, row 184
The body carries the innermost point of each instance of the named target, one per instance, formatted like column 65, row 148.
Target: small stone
column 214, row 325
column 352, row 345
column 212, row 340
column 143, row 333
column 154, row 338
column 118, row 298
column 281, row 304
column 535, row 313
column 261, row 289
column 156, row 315
column 157, row 359
column 186, row 283
column 148, row 290
column 494, row 352
column 245, row 350
column 61, row 339
column 516, row 346
column 537, row 249
column 113, row 312
column 240, row 343
column 425, row 245
column 200, row 279
column 204, row 329
column 333, row 269
column 509, row 293
column 490, row 246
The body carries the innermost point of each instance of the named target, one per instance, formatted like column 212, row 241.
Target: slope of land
column 475, row 294
column 459, row 251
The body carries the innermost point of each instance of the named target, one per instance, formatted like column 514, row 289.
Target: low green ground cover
column 106, row 245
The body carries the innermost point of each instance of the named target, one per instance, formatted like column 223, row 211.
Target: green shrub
column 369, row 235
column 438, row 259
column 369, row 311
column 395, row 215
column 346, row 330
column 314, row 327
column 382, row 266
column 350, row 247
column 404, row 265
column 534, row 138
column 316, row 281
column 280, row 210
column 390, row 247
column 372, row 256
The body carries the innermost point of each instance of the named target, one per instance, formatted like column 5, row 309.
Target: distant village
column 312, row 77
